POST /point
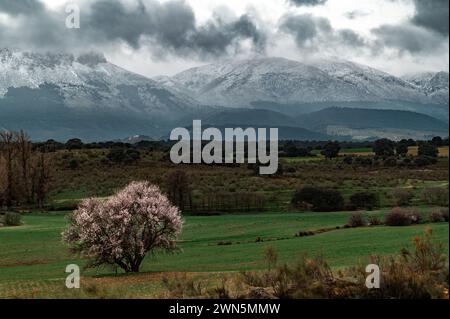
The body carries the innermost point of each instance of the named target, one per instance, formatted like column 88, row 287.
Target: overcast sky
column 163, row 37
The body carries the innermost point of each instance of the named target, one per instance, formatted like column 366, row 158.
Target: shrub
column 435, row 196
column 121, row 156
column 428, row 149
column 13, row 219
column 418, row 273
column 348, row 160
column 318, row 199
column 401, row 197
column 402, row 217
column 384, row 148
column 421, row 161
column 364, row 200
column 439, row 215
column 390, row 161
column 421, row 273
column 374, row 221
column 356, row 220
column 436, row 217
column 123, row 229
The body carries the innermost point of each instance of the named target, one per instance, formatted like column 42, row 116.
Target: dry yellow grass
column 443, row 151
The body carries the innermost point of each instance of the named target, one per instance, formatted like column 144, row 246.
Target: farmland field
column 33, row 258
column 233, row 217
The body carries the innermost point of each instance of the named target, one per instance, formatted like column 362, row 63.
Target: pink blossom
column 123, row 229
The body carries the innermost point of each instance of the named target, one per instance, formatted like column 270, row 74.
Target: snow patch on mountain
column 240, row 83
column 433, row 84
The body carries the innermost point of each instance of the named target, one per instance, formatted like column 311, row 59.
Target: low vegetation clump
column 318, row 199
column 373, row 220
column 356, row 220
column 401, row 197
column 364, row 200
column 418, row 273
column 12, row 219
column 402, row 217
column 435, row 196
column 438, row 215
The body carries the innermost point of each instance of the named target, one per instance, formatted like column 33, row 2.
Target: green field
column 33, row 258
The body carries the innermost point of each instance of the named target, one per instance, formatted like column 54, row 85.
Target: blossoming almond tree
column 123, row 229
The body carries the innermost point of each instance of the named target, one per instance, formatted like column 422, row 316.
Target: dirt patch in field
column 23, row 263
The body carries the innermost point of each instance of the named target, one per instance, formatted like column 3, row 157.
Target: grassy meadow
column 33, row 257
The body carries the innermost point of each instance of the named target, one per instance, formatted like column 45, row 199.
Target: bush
column 374, row 221
column 364, row 200
column 438, row 215
column 121, row 156
column 435, row 196
column 317, row 199
column 401, row 197
column 428, row 149
column 402, row 217
column 390, row 161
column 421, row 272
column 421, row 161
column 13, row 219
column 356, row 220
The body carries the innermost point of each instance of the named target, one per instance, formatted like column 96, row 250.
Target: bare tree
column 24, row 152
column 179, row 190
column 40, row 181
column 8, row 149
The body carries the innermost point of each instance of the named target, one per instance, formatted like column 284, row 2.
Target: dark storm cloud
column 425, row 33
column 168, row 27
column 309, row 3
column 408, row 38
column 315, row 32
column 351, row 38
column 305, row 27
column 432, row 14
column 15, row 7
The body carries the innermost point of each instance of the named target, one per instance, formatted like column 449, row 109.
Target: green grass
column 356, row 150
column 33, row 255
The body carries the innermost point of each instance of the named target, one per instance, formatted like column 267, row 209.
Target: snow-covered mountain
column 88, row 80
column 83, row 91
column 304, row 87
column 433, row 84
column 62, row 96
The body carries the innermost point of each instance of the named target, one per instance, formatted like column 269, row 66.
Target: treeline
column 286, row 147
column 25, row 171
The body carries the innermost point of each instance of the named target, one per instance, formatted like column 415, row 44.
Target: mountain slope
column 67, row 94
column 433, row 84
column 243, row 82
column 377, row 123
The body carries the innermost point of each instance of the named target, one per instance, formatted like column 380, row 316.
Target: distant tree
column 401, row 196
column 41, row 175
column 292, row 150
column 8, row 150
column 437, row 141
column 123, row 156
column 402, row 148
column 74, row 144
column 428, row 149
column 318, row 199
column 179, row 189
column 364, row 200
column 123, row 229
column 384, row 148
column 24, row 152
column 331, row 150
